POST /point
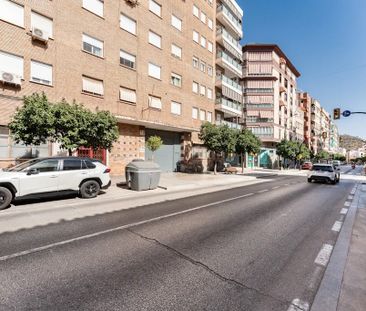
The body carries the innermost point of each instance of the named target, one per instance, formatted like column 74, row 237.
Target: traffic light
column 336, row 114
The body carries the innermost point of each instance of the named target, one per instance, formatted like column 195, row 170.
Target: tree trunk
column 242, row 162
column 215, row 164
column 70, row 152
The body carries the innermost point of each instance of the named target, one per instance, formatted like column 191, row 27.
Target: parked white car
column 42, row 176
column 325, row 173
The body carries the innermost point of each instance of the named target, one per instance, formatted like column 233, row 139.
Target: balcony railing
column 222, row 31
column 229, row 59
column 230, row 16
column 230, row 82
column 250, row 90
column 258, row 106
column 230, row 104
column 229, row 124
column 259, row 120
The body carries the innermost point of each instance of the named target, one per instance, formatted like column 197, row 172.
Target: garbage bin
column 142, row 175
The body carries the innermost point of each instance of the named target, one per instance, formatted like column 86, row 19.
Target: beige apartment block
column 325, row 129
column 305, row 100
column 229, row 93
column 316, row 130
column 151, row 63
column 270, row 100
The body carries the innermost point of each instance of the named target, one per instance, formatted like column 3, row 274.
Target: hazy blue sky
column 326, row 41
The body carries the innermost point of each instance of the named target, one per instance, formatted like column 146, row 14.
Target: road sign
column 346, row 113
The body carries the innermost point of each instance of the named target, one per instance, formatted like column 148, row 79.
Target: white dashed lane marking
column 298, row 305
column 347, row 203
column 350, row 197
column 276, row 187
column 324, row 255
column 344, row 211
column 337, row 226
column 264, row 190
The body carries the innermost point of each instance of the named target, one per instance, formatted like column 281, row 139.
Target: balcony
column 259, row 120
column 258, row 91
column 229, row 107
column 231, row 125
column 226, row 18
column 234, row 7
column 254, row 106
column 224, row 60
column 229, row 42
column 231, row 84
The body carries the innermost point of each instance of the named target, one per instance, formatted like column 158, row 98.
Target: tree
column 322, row 155
column 153, row 143
column 284, row 149
column 247, row 142
column 293, row 150
column 72, row 126
column 218, row 139
column 33, row 123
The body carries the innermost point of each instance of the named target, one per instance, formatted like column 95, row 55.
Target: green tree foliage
column 71, row 125
column 153, row 143
column 218, row 139
column 339, row 157
column 247, row 142
column 33, row 122
column 322, row 155
column 293, row 150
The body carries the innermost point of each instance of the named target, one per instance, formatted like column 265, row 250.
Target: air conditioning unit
column 7, row 77
column 39, row 34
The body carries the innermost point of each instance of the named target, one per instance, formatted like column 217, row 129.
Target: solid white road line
column 347, row 203
column 344, row 211
column 324, row 255
column 88, row 236
column 337, row 226
column 298, row 305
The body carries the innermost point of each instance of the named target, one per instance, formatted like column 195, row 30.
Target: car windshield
column 323, row 168
column 23, row 166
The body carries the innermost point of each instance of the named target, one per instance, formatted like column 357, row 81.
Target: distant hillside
column 351, row 142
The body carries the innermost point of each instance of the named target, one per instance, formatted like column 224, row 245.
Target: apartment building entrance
column 168, row 154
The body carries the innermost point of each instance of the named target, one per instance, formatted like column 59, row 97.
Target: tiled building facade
column 151, row 64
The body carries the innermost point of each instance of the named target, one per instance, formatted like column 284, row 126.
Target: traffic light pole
column 359, row 112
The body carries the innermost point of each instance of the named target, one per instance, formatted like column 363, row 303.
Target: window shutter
column 11, row 63
column 12, row 12
column 127, row 95
column 95, row 6
column 176, row 22
column 176, row 51
column 155, row 7
column 154, row 71
column 43, row 23
column 128, row 24
column 155, row 102
column 176, row 108
column 93, row 86
column 195, row 36
column 154, row 39
column 40, row 71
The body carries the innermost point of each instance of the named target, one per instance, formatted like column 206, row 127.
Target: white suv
column 325, row 173
column 55, row 174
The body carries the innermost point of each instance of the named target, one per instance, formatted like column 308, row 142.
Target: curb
column 330, row 287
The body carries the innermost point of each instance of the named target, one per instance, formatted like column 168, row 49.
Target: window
column 154, row 71
column 202, row 90
column 155, row 102
column 11, row 63
column 154, row 39
column 202, row 115
column 92, row 45
column 127, row 95
column 210, row 23
column 196, row 36
column 45, row 166
column 127, row 24
column 176, row 108
column 195, row 62
column 95, row 6
column 176, row 51
column 210, row 46
column 195, row 87
column 209, row 93
column 41, row 73
column 176, row 22
column 176, row 79
column 209, row 70
column 210, row 2
column 209, row 116
column 12, row 12
column 203, row 17
column 196, row 11
column 195, row 113
column 127, row 59
column 202, row 66
column 72, row 165
column 155, row 7
column 43, row 23
column 93, row 86
column 203, row 41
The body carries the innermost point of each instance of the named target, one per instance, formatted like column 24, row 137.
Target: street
column 248, row 248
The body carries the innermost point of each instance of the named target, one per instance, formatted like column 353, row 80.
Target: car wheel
column 5, row 197
column 310, row 180
column 333, row 182
column 89, row 189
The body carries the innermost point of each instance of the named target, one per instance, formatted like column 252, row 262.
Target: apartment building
column 305, row 100
column 151, row 63
column 270, row 102
column 316, row 131
column 229, row 94
column 334, row 138
column 325, row 129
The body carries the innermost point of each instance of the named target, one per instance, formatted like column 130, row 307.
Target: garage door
column 168, row 154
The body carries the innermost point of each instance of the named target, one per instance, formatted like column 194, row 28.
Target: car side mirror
column 32, row 171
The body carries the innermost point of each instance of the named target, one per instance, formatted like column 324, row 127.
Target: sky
column 326, row 41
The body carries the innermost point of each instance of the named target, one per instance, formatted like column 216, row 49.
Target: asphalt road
column 248, row 248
